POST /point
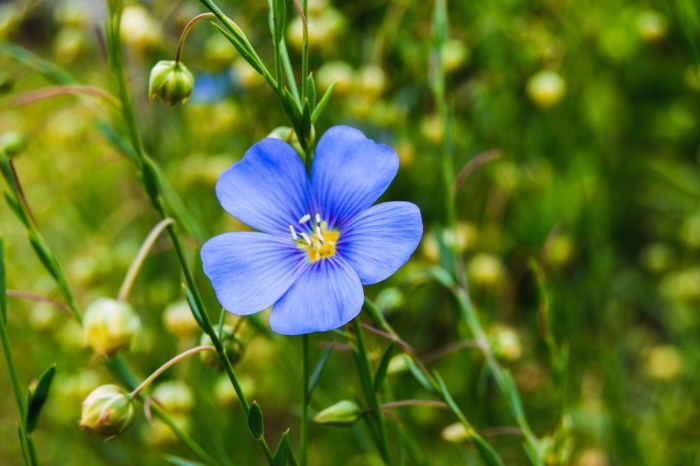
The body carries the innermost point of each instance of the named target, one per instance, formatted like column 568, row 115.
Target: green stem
column 304, row 48
column 25, row 438
column 305, row 400
column 368, row 389
column 472, row 319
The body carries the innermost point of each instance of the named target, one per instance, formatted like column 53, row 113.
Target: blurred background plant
column 578, row 224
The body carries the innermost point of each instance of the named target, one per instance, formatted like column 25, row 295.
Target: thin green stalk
column 376, row 413
column 289, row 72
column 304, row 48
column 28, row 449
column 472, row 319
column 305, row 400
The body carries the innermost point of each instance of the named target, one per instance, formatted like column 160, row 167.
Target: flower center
column 315, row 238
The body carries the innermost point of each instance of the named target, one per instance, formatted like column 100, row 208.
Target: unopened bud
column 506, row 343
column 107, row 411
column 171, row 82
column 455, row 433
column 233, row 347
column 179, row 321
column 12, row 143
column 343, row 413
column 546, row 88
column 110, row 325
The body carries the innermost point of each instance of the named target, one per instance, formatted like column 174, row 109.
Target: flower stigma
column 318, row 241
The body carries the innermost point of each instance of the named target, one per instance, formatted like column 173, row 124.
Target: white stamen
column 318, row 219
column 305, row 219
column 318, row 233
column 306, row 238
column 294, row 233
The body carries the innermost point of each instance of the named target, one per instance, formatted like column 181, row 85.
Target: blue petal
column 326, row 297
column 268, row 189
column 380, row 240
column 350, row 172
column 250, row 270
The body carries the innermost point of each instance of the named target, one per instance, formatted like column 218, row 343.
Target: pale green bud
column 171, row 82
column 12, row 143
column 110, row 325
column 179, row 321
column 343, row 413
column 455, row 433
column 546, row 88
column 107, row 411
column 233, row 347
column 506, row 343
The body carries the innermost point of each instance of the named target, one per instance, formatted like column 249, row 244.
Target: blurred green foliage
column 594, row 110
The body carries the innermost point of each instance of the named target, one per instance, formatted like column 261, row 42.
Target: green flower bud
column 546, row 88
column 109, row 326
column 12, row 143
column 171, row 82
column 343, row 413
column 179, row 321
column 233, row 347
column 107, row 411
column 455, row 433
column 505, row 343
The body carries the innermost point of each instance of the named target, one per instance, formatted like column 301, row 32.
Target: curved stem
column 186, row 31
column 141, row 256
column 168, row 365
column 38, row 299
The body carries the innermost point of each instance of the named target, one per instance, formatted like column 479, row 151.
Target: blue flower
column 319, row 239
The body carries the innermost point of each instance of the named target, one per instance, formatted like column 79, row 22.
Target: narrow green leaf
column 279, row 14
column 418, row 374
column 311, row 90
column 282, row 450
column 46, row 68
column 113, row 137
column 242, row 48
column 447, row 396
column 37, row 397
column 380, row 375
column 177, row 461
column 44, row 256
column 306, row 119
column 255, row 421
column 513, row 395
column 13, row 205
column 3, row 284
column 149, row 175
column 317, row 370
column 178, row 208
column 486, row 451
column 442, row 276
column 323, row 102
column 196, row 312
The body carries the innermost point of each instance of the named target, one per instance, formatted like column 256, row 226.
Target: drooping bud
column 107, row 411
column 110, row 325
column 233, row 347
column 343, row 413
column 171, row 82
